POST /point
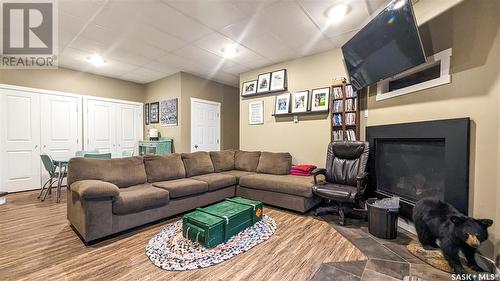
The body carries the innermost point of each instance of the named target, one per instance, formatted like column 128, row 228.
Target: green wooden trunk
column 217, row 223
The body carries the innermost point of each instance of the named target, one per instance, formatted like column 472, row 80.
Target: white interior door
column 20, row 140
column 205, row 125
column 101, row 126
column 60, row 130
column 129, row 127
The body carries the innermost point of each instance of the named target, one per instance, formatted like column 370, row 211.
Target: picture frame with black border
column 320, row 99
column 146, row 113
column 300, row 101
column 249, row 88
column 282, row 104
column 263, row 82
column 278, row 81
column 154, row 112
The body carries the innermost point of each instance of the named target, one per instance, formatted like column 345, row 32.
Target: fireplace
column 417, row 160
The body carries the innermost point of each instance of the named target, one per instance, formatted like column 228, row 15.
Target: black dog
column 456, row 232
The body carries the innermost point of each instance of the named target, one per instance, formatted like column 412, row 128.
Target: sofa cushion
column 138, row 198
column 246, row 160
column 182, row 187
column 222, row 160
column 237, row 173
column 164, row 167
column 289, row 184
column 197, row 163
column 217, row 180
column 122, row 172
column 274, row 163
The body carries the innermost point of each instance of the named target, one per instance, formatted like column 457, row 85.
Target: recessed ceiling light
column 337, row 12
column 96, row 60
column 230, row 51
column 398, row 4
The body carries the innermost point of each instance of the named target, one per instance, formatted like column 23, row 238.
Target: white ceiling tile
column 79, row 8
column 172, row 21
column 70, row 23
column 200, row 56
column 156, row 38
column 358, row 12
column 251, row 7
column 235, row 69
column 215, row 14
column 162, row 67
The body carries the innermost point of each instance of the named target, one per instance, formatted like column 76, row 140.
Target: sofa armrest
column 95, row 189
column 316, row 172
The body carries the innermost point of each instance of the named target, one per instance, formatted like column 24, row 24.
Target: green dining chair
column 98, row 155
column 49, row 166
column 127, row 153
column 81, row 153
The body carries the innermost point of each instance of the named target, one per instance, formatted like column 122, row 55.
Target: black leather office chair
column 345, row 177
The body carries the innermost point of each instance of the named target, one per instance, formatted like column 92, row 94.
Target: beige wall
column 76, row 82
column 472, row 30
column 306, row 140
column 185, row 86
column 166, row 88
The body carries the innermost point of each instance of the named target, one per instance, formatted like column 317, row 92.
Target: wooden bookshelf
column 345, row 105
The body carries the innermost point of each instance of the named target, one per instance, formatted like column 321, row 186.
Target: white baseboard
column 407, row 225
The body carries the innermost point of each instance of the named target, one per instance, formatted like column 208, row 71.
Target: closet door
column 100, row 126
column 60, row 127
column 129, row 130
column 20, row 140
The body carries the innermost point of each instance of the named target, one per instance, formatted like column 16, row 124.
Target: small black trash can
column 382, row 222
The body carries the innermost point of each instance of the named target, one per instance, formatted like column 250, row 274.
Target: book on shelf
column 337, row 119
column 337, row 105
column 338, row 135
column 350, row 91
column 350, row 105
column 337, row 93
column 350, row 118
column 351, row 135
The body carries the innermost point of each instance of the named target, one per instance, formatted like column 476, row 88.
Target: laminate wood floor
column 37, row 243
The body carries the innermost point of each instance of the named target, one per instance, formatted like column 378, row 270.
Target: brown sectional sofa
column 110, row 196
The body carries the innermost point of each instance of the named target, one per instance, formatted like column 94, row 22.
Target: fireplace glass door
column 412, row 168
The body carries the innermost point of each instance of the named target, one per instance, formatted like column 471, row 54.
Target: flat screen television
column 389, row 44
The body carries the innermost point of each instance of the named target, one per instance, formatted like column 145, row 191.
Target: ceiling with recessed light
column 142, row 41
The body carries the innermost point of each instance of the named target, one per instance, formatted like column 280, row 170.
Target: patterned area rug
column 171, row 251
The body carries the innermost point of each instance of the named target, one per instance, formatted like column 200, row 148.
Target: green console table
column 159, row 147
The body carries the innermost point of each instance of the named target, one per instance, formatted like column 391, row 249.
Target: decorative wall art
column 154, row 108
column 300, row 101
column 256, row 112
column 168, row 113
column 278, row 80
column 146, row 113
column 249, row 88
column 319, row 99
column 263, row 83
column 282, row 105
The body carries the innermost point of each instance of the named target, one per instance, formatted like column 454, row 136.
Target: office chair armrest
column 360, row 180
column 316, row 172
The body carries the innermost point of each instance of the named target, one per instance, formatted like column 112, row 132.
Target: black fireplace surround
column 422, row 159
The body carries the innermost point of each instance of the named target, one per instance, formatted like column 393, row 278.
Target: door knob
column 195, row 146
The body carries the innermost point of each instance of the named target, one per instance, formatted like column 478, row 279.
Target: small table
column 62, row 163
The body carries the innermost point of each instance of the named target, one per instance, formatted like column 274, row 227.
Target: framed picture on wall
column 249, row 88
column 300, row 101
column 146, row 113
column 263, row 82
column 282, row 105
column 278, row 80
column 168, row 113
column 154, row 111
column 320, row 99
column 256, row 112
